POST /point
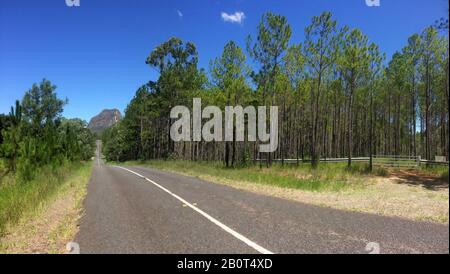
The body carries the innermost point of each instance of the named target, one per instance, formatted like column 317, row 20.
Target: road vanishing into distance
column 146, row 211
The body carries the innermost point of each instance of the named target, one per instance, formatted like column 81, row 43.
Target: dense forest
column 35, row 135
column 337, row 95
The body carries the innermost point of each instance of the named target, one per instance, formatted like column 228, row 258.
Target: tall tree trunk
column 315, row 149
column 427, row 115
column 350, row 125
column 371, row 132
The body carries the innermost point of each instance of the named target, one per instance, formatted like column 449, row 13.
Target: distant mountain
column 106, row 119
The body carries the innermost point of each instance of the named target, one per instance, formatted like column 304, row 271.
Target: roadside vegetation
column 21, row 198
column 42, row 215
column 329, row 177
column 416, row 194
column 40, row 152
column 440, row 171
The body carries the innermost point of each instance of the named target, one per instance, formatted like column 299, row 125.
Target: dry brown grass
column 384, row 196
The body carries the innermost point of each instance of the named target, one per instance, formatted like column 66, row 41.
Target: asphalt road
column 141, row 210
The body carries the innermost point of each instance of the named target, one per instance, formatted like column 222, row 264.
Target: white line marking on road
column 237, row 235
column 98, row 154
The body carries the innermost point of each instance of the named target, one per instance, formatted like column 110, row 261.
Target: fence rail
column 328, row 160
column 426, row 162
column 383, row 160
column 396, row 161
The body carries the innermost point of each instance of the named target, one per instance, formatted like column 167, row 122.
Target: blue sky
column 96, row 53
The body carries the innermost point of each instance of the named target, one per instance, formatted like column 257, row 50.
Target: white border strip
column 237, row 235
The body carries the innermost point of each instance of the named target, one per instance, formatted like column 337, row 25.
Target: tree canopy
column 338, row 95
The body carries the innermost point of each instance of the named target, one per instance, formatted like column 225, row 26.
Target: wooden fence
column 382, row 160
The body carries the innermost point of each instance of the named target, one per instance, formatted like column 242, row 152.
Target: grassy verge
column 41, row 216
column 331, row 185
column 438, row 171
column 330, row 177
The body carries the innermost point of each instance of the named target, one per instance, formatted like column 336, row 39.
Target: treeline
column 35, row 135
column 337, row 94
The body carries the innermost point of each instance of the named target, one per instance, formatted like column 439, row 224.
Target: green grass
column 5, row 178
column 20, row 198
column 327, row 177
column 444, row 175
column 2, row 168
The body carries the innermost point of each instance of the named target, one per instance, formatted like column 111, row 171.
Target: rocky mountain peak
column 106, row 119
